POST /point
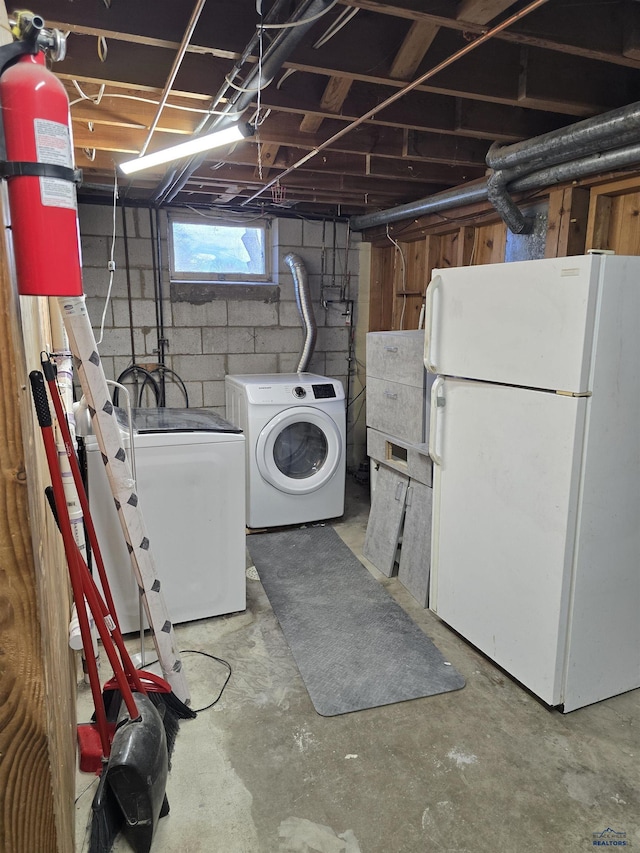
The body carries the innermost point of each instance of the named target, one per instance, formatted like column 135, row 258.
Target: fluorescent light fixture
column 187, row 149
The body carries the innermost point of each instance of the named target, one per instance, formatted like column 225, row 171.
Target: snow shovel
column 136, row 769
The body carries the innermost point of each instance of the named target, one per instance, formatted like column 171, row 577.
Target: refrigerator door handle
column 430, row 342
column 437, row 402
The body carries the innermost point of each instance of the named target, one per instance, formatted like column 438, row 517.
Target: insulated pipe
column 303, row 300
column 471, row 193
column 611, row 130
column 260, row 76
column 509, row 211
column 466, row 194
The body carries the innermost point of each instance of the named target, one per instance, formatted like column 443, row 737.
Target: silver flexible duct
column 303, row 300
column 590, row 147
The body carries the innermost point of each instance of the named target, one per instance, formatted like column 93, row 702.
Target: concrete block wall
column 209, row 339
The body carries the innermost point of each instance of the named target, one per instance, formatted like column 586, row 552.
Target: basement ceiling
column 563, row 61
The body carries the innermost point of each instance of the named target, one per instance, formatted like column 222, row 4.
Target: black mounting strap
column 40, row 170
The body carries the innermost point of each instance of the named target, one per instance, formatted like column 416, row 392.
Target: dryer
column 295, row 430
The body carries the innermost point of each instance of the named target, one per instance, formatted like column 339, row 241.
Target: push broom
column 171, row 708
column 136, row 761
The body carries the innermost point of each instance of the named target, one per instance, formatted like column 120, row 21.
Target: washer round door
column 299, row 450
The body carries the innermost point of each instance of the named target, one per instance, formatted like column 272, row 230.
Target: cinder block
column 208, row 314
column 317, row 233
column 336, row 314
column 317, row 364
column 227, row 340
column 333, row 339
column 184, row 341
column 194, row 389
column 120, row 363
column 148, row 283
column 95, row 251
column 290, row 315
column 288, row 362
column 174, row 395
column 278, row 340
column 199, row 368
column 336, row 364
column 95, row 307
column 141, row 253
column 252, row 314
column 289, row 233
column 252, row 363
column 97, row 219
column 115, row 342
column 144, row 313
column 310, row 256
column 213, row 394
column 142, row 224
column 146, row 343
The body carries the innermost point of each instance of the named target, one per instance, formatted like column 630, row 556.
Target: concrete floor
column 486, row 768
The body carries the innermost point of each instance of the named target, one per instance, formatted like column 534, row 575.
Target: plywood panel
column 37, row 679
column 624, row 224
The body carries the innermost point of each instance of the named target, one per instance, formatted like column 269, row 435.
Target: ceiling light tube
column 187, row 149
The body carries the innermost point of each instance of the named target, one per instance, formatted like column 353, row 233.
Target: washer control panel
column 324, row 391
column 292, row 389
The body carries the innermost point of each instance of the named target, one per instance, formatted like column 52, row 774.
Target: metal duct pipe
column 260, row 75
column 466, row 194
column 609, row 131
column 593, row 165
column 303, row 300
column 509, row 211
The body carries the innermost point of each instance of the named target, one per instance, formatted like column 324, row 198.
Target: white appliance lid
column 147, row 421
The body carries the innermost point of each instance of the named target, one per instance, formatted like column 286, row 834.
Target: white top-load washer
column 190, row 478
column 295, row 429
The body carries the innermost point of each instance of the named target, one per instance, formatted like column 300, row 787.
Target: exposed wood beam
column 282, row 130
column 337, row 163
column 413, row 49
column 267, row 154
column 489, row 76
column 481, row 11
column 332, row 100
column 585, row 38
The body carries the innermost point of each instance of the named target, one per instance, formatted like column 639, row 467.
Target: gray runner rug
column 354, row 645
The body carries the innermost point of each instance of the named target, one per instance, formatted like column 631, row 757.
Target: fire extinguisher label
column 53, row 145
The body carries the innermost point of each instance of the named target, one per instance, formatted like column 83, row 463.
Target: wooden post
column 37, row 678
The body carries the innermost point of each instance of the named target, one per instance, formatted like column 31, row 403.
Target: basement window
column 216, row 251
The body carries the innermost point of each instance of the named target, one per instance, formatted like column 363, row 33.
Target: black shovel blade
column 137, row 773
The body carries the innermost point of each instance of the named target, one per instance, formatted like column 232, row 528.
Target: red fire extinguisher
column 39, row 171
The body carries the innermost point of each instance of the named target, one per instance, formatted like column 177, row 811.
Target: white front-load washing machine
column 295, row 430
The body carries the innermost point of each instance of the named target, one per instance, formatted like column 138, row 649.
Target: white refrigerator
column 535, row 436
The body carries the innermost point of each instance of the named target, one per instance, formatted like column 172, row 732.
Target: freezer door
column 505, row 495
column 529, row 323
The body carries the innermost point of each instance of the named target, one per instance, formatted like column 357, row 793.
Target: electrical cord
column 226, row 681
column 111, row 266
column 206, row 655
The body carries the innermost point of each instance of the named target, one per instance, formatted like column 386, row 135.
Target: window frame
column 213, row 278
